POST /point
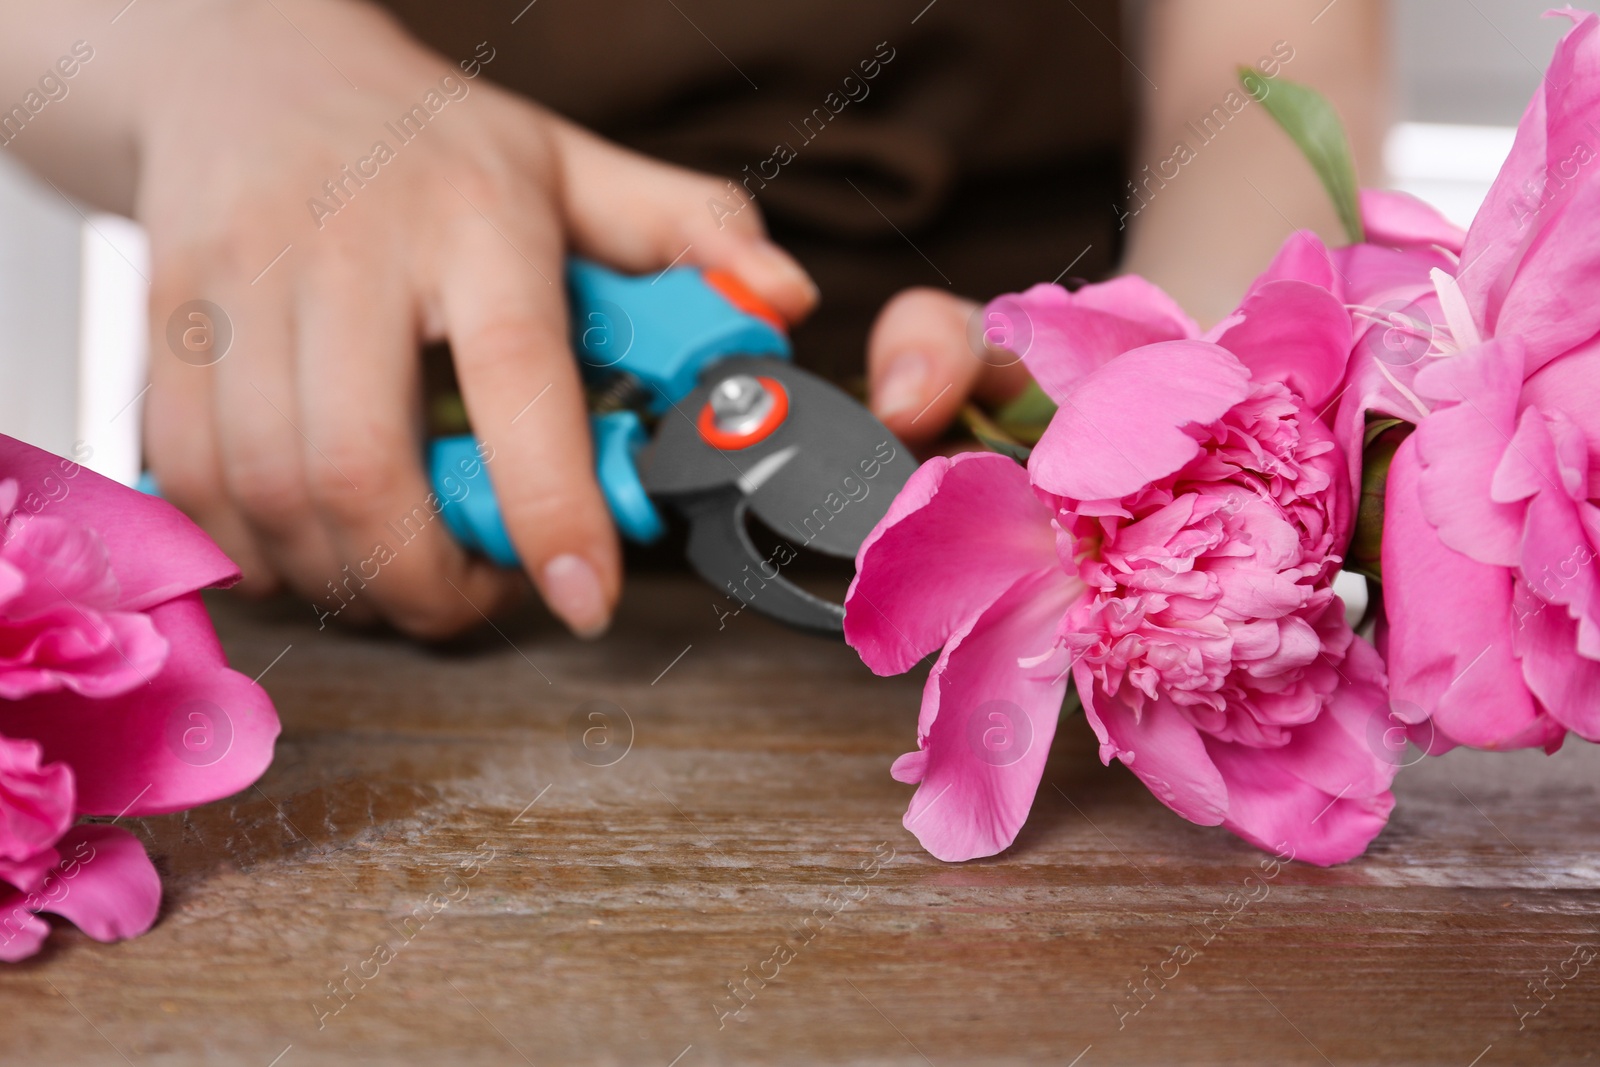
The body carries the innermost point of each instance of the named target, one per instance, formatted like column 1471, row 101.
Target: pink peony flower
column 1172, row 546
column 115, row 698
column 1490, row 344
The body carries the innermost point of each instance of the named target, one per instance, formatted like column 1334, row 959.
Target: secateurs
column 711, row 419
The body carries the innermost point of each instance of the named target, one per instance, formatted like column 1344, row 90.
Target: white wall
column 1472, row 61
column 39, row 270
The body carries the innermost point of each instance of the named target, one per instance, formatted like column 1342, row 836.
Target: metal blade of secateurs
column 821, row 481
column 722, row 552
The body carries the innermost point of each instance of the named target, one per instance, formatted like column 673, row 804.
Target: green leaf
column 1071, row 704
column 1308, row 118
column 1383, row 437
column 1032, row 405
column 447, row 415
column 1376, row 426
column 991, row 436
column 1027, row 414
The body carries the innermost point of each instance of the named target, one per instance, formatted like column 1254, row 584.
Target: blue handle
column 466, row 498
column 617, row 436
column 662, row 330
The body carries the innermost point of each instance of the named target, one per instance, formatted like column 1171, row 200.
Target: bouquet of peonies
column 115, row 699
column 1421, row 406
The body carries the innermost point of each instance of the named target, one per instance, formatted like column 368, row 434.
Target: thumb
column 639, row 214
column 922, row 365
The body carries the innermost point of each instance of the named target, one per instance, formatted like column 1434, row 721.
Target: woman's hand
column 345, row 196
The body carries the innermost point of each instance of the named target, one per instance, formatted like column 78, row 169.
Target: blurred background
column 72, row 282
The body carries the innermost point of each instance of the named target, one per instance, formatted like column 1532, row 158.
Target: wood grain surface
column 517, row 892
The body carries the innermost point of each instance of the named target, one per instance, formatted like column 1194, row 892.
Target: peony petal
column 1557, row 257
column 1371, row 276
column 987, row 723
column 156, row 553
column 1548, row 302
column 1121, row 427
column 60, row 561
column 36, row 800
column 1571, row 385
column 1161, row 747
column 108, row 887
column 1449, row 641
column 1527, row 251
column 1131, row 297
column 1546, row 464
column 1274, row 809
column 1460, row 445
column 28, row 874
column 1064, row 335
column 958, row 535
column 1343, row 752
column 1567, row 684
column 22, row 933
column 1302, row 257
column 909, row 767
column 1396, row 328
column 1391, row 217
column 1495, row 238
column 94, row 654
column 1295, row 333
column 197, row 732
column 1572, row 82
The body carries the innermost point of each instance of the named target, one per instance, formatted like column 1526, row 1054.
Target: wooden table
column 534, row 906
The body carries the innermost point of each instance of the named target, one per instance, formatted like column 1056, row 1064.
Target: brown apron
column 974, row 147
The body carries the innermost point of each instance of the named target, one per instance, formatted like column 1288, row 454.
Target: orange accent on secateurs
column 728, row 442
column 739, row 295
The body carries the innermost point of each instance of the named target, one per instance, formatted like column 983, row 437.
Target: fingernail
column 902, row 385
column 787, row 270
column 573, row 591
